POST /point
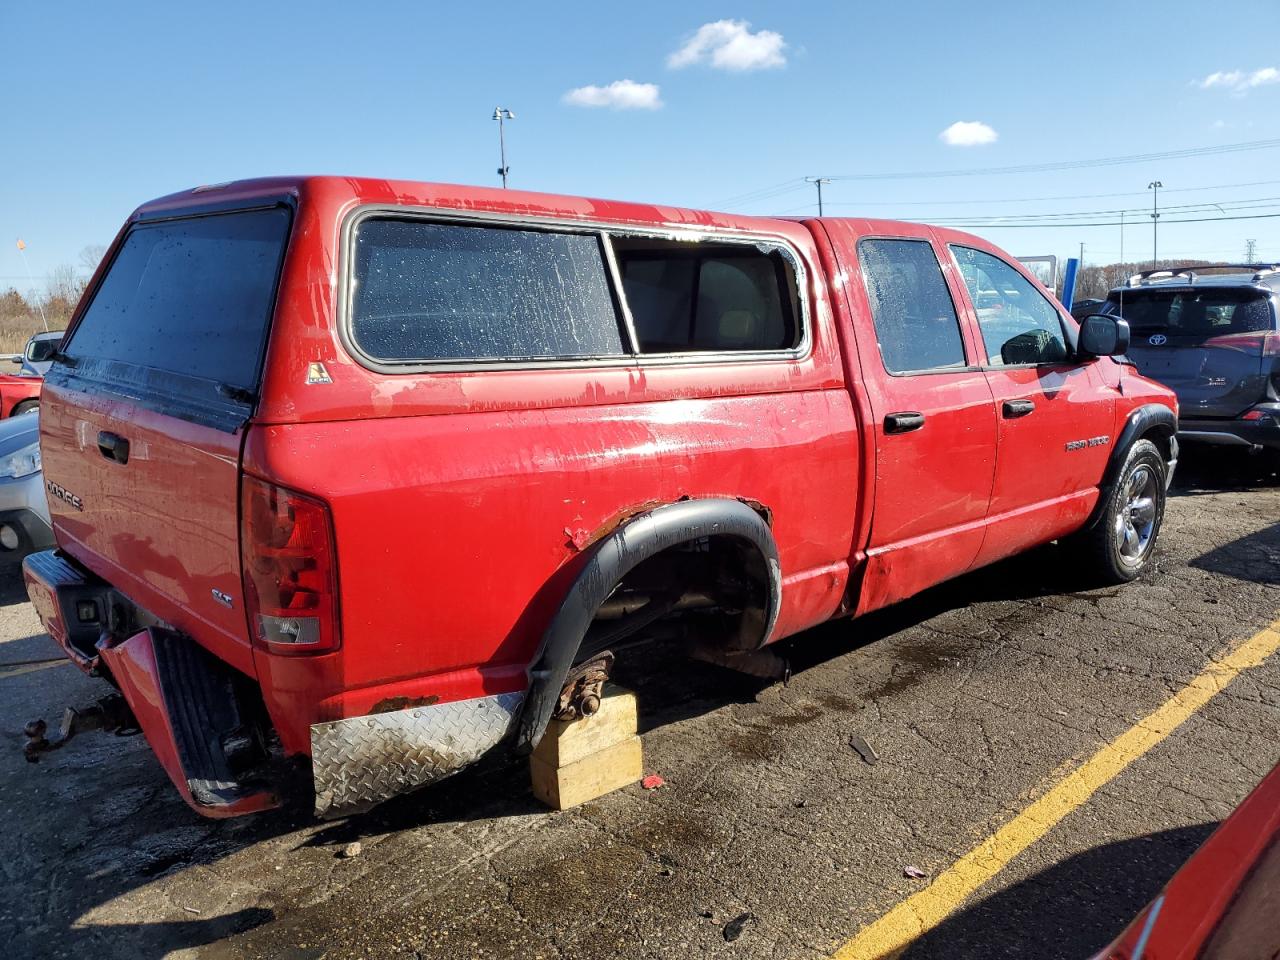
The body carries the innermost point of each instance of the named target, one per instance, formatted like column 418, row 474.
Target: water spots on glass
column 191, row 297
column 442, row 292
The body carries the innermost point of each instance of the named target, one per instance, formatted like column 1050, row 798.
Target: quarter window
column 915, row 318
column 708, row 297
column 424, row 291
column 1019, row 326
column 443, row 292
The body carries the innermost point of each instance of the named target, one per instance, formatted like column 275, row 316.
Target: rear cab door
column 1056, row 414
column 933, row 415
column 143, row 414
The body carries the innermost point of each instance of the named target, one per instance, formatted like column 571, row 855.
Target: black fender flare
column 610, row 560
column 1148, row 418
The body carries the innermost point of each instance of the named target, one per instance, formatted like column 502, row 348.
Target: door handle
column 113, row 446
column 1018, row 408
column 903, row 422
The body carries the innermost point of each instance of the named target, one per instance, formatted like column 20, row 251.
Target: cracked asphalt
column 974, row 696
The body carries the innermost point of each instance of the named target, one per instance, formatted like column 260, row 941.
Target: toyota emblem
column 1157, row 340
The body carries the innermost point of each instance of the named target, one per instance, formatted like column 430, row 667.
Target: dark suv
column 1215, row 340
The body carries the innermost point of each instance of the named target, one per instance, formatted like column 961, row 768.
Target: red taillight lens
column 290, row 571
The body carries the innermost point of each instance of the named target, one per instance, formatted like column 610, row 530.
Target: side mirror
column 1103, row 336
column 42, row 350
column 16, row 360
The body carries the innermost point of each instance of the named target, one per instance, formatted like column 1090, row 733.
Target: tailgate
column 142, row 420
column 1220, row 377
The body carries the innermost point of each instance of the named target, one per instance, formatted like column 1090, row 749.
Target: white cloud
column 730, row 45
column 619, row 95
column 968, row 133
column 1238, row 81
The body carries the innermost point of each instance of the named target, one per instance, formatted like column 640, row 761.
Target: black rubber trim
column 610, row 560
column 1149, row 418
column 199, row 697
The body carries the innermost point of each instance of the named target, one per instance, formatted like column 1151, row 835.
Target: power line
column 797, row 183
column 1107, row 223
column 1257, row 203
column 1076, row 196
column 1070, row 164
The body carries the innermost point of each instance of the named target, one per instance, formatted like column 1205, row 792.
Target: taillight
column 1271, row 345
column 290, row 571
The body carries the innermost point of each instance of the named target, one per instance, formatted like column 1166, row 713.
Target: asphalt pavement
column 774, row 835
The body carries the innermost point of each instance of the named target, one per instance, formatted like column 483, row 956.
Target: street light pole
column 1154, row 186
column 818, row 182
column 502, row 115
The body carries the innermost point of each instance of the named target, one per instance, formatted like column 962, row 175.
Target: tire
column 26, row 406
column 1119, row 546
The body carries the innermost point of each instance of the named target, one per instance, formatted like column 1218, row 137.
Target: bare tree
column 65, row 284
column 91, row 256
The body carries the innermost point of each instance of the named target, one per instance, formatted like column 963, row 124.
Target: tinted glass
column 708, row 298
column 915, row 318
column 430, row 291
column 1197, row 314
column 1018, row 324
column 190, row 297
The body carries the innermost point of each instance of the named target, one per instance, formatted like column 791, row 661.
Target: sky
column 712, row 105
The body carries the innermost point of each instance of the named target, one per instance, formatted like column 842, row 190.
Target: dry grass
column 14, row 333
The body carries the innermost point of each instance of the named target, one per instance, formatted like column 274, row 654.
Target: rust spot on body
column 391, row 704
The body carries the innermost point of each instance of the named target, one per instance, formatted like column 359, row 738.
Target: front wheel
column 1118, row 548
column 26, row 406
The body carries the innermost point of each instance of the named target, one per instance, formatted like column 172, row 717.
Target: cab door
column 933, row 415
column 1056, row 415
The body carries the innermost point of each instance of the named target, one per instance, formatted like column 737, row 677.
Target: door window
column 1019, row 326
column 915, row 318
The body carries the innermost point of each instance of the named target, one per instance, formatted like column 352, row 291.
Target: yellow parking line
column 890, row 935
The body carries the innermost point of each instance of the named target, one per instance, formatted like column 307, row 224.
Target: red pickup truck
column 363, row 478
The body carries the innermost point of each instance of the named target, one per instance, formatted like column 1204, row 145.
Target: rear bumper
column 27, row 530
column 25, row 512
column 189, row 704
column 155, row 671
column 1231, row 433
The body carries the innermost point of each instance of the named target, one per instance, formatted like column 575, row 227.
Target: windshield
column 1193, row 313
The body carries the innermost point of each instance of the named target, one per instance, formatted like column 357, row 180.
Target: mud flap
column 360, row 761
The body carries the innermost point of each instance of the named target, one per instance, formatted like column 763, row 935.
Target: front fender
column 611, row 559
column 1150, row 419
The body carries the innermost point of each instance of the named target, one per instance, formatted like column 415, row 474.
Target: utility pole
column 502, row 115
column 1250, row 249
column 1121, row 239
column 22, row 250
column 818, row 182
column 1154, row 186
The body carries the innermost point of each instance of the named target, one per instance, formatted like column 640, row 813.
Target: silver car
column 24, row 511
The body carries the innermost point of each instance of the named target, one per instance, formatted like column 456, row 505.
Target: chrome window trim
column 603, row 230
